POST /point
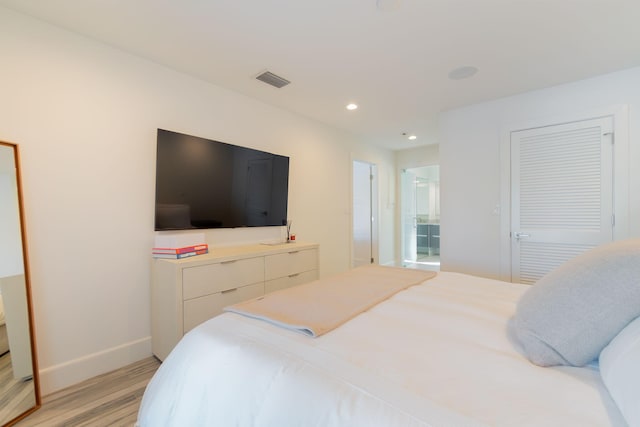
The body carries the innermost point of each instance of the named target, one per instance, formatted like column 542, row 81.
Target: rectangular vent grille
column 274, row 80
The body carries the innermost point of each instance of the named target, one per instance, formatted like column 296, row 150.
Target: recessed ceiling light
column 352, row 106
column 412, row 137
column 463, row 72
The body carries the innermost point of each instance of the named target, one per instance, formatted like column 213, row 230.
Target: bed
column 448, row 351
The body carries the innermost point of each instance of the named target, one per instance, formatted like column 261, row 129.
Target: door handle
column 518, row 235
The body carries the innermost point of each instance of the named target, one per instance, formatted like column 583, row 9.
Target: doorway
column 561, row 194
column 364, row 213
column 420, row 217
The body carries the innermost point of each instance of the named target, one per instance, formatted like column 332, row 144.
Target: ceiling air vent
column 269, row 78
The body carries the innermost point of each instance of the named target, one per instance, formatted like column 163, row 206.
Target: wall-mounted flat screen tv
column 202, row 183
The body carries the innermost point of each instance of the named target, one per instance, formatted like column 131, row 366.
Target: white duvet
column 436, row 354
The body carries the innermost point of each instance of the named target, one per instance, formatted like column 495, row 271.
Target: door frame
column 620, row 114
column 404, row 203
column 375, row 210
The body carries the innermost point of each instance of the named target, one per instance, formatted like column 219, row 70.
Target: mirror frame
column 27, row 279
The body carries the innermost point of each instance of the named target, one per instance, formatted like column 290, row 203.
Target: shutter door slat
column 554, row 170
column 537, row 259
column 561, row 195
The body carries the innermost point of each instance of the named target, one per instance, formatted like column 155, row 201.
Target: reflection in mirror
column 19, row 393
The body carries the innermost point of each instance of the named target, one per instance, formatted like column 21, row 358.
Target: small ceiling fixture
column 352, row 106
column 410, row 137
column 463, row 72
column 272, row 79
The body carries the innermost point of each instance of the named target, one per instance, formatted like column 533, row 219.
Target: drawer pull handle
column 294, row 275
column 229, row 262
column 293, row 252
column 226, row 291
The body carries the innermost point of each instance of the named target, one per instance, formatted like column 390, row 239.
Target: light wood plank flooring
column 16, row 396
column 110, row 399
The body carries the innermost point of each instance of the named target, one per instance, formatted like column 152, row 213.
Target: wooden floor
column 111, row 399
column 16, row 396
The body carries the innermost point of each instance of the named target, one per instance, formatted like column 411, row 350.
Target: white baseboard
column 57, row 377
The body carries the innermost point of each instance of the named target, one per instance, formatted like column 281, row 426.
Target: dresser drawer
column 288, row 263
column 289, row 281
column 212, row 278
column 201, row 309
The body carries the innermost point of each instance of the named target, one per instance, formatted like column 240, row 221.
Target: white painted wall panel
column 85, row 116
column 470, row 159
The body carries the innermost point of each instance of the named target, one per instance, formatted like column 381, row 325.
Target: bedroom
column 88, row 179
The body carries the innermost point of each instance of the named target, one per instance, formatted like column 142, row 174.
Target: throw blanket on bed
column 317, row 307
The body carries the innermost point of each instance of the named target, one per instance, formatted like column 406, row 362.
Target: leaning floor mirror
column 19, row 391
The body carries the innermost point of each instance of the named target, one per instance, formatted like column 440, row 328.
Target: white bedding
column 436, row 354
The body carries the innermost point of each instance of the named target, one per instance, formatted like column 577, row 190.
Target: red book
column 183, row 250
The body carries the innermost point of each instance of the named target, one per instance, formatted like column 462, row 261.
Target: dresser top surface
column 220, row 254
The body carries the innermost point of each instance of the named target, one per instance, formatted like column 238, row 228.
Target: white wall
column 471, row 165
column 425, row 155
column 85, row 116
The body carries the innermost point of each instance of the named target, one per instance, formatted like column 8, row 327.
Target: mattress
column 435, row 354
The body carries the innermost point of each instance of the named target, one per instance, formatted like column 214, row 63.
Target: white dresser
column 186, row 292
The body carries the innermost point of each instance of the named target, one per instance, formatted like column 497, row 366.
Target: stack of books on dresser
column 183, row 252
column 179, row 246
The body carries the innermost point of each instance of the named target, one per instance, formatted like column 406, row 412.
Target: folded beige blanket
column 317, row 307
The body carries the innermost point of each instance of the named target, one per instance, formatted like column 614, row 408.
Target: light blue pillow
column 620, row 371
column 572, row 313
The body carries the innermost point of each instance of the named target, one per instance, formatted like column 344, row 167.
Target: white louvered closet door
column 561, row 194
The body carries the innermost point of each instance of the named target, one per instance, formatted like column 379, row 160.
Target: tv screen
column 201, row 183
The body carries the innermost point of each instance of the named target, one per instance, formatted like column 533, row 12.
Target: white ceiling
column 391, row 57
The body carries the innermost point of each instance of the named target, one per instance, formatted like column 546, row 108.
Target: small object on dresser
column 184, row 249
column 289, row 230
column 183, row 252
column 182, row 255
